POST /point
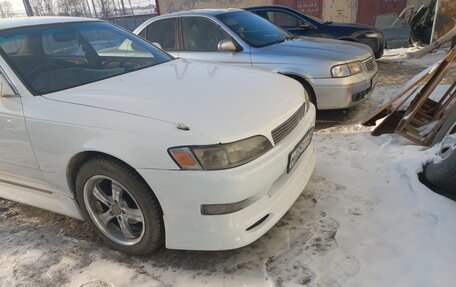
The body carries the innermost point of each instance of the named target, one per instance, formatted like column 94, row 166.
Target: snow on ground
column 363, row 220
column 400, row 56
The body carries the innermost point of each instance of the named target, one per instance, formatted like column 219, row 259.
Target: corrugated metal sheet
column 368, row 9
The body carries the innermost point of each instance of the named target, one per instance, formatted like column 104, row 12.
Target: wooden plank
column 409, row 86
column 423, row 111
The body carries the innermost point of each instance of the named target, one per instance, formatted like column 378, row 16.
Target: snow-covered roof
column 31, row 21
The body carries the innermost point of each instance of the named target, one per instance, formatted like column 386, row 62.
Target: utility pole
column 123, row 7
column 28, row 8
column 94, row 9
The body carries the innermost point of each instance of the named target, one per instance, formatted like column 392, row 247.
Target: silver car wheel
column 448, row 144
column 114, row 210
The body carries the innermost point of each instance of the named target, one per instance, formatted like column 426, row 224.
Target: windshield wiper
column 328, row 22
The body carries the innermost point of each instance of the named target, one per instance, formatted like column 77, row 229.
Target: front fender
column 58, row 132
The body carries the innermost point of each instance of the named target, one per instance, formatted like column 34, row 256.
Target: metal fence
column 130, row 22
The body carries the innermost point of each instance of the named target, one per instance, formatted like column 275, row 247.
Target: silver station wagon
column 336, row 74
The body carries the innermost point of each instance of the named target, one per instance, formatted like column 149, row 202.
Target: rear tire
column 442, row 172
column 120, row 206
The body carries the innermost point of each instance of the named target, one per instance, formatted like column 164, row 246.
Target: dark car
column 301, row 24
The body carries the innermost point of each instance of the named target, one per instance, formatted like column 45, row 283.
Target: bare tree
column 73, row 8
column 43, row 7
column 106, row 7
column 6, row 9
column 49, row 7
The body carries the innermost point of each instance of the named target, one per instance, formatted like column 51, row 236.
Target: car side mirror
column 305, row 25
column 5, row 89
column 156, row 44
column 227, row 46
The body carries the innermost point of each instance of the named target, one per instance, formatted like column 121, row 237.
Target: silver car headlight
column 355, row 68
column 220, row 156
column 346, row 70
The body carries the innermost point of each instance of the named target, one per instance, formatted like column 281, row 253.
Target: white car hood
column 227, row 102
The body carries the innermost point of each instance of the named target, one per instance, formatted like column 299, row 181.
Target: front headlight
column 355, row 68
column 340, row 71
column 346, row 70
column 220, row 156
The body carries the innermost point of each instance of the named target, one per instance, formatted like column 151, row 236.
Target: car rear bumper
column 341, row 93
column 264, row 183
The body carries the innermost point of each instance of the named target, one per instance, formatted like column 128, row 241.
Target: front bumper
column 341, row 93
column 264, row 181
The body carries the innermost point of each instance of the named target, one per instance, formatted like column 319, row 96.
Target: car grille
column 280, row 132
column 370, row 64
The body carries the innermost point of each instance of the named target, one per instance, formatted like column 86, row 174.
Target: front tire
column 121, row 207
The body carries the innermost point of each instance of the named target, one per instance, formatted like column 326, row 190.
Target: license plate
column 299, row 149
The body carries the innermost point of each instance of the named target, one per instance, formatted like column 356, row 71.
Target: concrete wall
column 340, row 10
column 309, row 7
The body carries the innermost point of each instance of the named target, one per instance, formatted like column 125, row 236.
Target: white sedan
column 151, row 150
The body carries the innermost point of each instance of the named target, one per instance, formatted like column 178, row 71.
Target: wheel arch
column 76, row 162
column 305, row 83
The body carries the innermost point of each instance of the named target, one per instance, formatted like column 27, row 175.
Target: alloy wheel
column 114, row 210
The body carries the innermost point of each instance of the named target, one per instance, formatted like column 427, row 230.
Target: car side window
column 201, row 34
column 163, row 32
column 283, row 20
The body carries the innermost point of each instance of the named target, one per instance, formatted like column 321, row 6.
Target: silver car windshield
column 253, row 29
column 50, row 58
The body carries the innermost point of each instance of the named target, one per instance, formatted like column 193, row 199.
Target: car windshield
column 253, row 29
column 50, row 58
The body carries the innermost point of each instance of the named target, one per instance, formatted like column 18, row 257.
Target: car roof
column 269, row 7
column 32, row 21
column 204, row 12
